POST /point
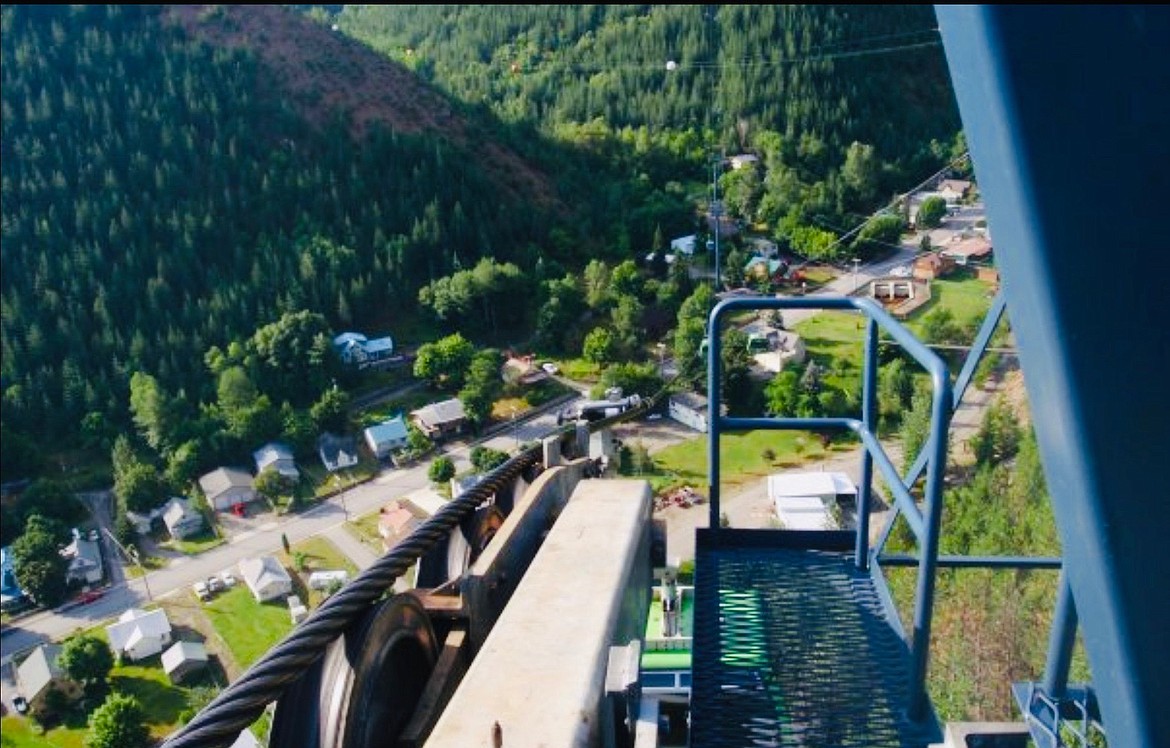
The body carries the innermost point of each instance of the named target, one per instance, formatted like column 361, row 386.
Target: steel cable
column 218, row 724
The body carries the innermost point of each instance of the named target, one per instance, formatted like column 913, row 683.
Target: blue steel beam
column 1066, row 111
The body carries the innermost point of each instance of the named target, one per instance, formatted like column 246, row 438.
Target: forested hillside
column 162, row 195
column 873, row 74
column 176, row 179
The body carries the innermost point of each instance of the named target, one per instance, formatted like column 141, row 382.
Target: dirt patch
column 326, row 75
column 190, row 623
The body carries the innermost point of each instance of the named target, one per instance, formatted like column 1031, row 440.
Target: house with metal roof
column 139, row 634
column 225, row 487
column 182, row 520
column 182, row 659
column 266, row 578
column 337, row 452
column 11, row 595
column 440, row 419
column 85, row 560
column 387, row 436
column 39, row 674
column 279, row 457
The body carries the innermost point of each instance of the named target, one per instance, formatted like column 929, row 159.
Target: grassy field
column 319, row 555
column 744, row 458
column 248, row 628
column 196, row 544
column 967, row 298
column 161, row 701
column 365, row 529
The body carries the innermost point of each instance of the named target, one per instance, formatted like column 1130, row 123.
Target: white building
column 182, row 659
column 689, row 409
column 85, row 559
column 226, row 487
column 805, row 501
column 683, row 245
column 321, row 580
column 266, row 577
column 181, row 519
column 139, row 634
column 278, row 457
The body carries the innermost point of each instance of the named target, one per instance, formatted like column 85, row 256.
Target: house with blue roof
column 386, row 437
column 11, row 595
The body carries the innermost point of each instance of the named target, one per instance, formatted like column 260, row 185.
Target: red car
column 88, row 597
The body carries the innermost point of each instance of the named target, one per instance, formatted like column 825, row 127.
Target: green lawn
column 196, row 544
column 967, row 297
column 365, row 529
column 18, row 732
column 320, row 555
column 248, row 628
column 162, row 702
column 580, row 370
column 742, row 455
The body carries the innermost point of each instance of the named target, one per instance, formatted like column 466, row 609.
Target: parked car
column 549, row 367
column 94, row 535
column 215, row 584
column 229, row 579
column 201, row 591
column 88, row 597
column 21, row 704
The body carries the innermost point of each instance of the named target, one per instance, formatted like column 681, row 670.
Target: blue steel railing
column 923, row 521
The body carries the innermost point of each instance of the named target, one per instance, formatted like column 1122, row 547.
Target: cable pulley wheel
column 363, row 692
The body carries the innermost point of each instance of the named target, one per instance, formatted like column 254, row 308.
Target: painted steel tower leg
column 1066, row 111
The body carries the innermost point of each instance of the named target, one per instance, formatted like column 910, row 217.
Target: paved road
column 327, row 517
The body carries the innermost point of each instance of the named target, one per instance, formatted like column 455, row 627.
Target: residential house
column 39, row 674
column 337, row 452
column 266, row 578
column 522, row 370
column 138, row 634
column 181, row 519
column 397, row 520
column 806, row 501
column 931, row 265
column 744, row 159
column 684, row 245
column 355, row 349
column 971, row 249
column 440, row 419
column 11, row 595
column 225, row 487
column 784, row 347
column 182, row 659
column 278, row 457
column 85, row 560
column 760, row 267
column 689, row 409
column 954, row 190
column 387, row 436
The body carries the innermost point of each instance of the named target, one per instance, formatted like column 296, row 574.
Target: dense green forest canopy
column 839, row 73
column 175, row 179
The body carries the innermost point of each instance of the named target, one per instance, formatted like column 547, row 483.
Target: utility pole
column 716, row 213
column 856, row 262
column 132, row 555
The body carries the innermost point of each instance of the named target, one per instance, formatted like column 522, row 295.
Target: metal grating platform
column 793, row 647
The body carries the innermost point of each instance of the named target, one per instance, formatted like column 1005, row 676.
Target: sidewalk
column 353, row 548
